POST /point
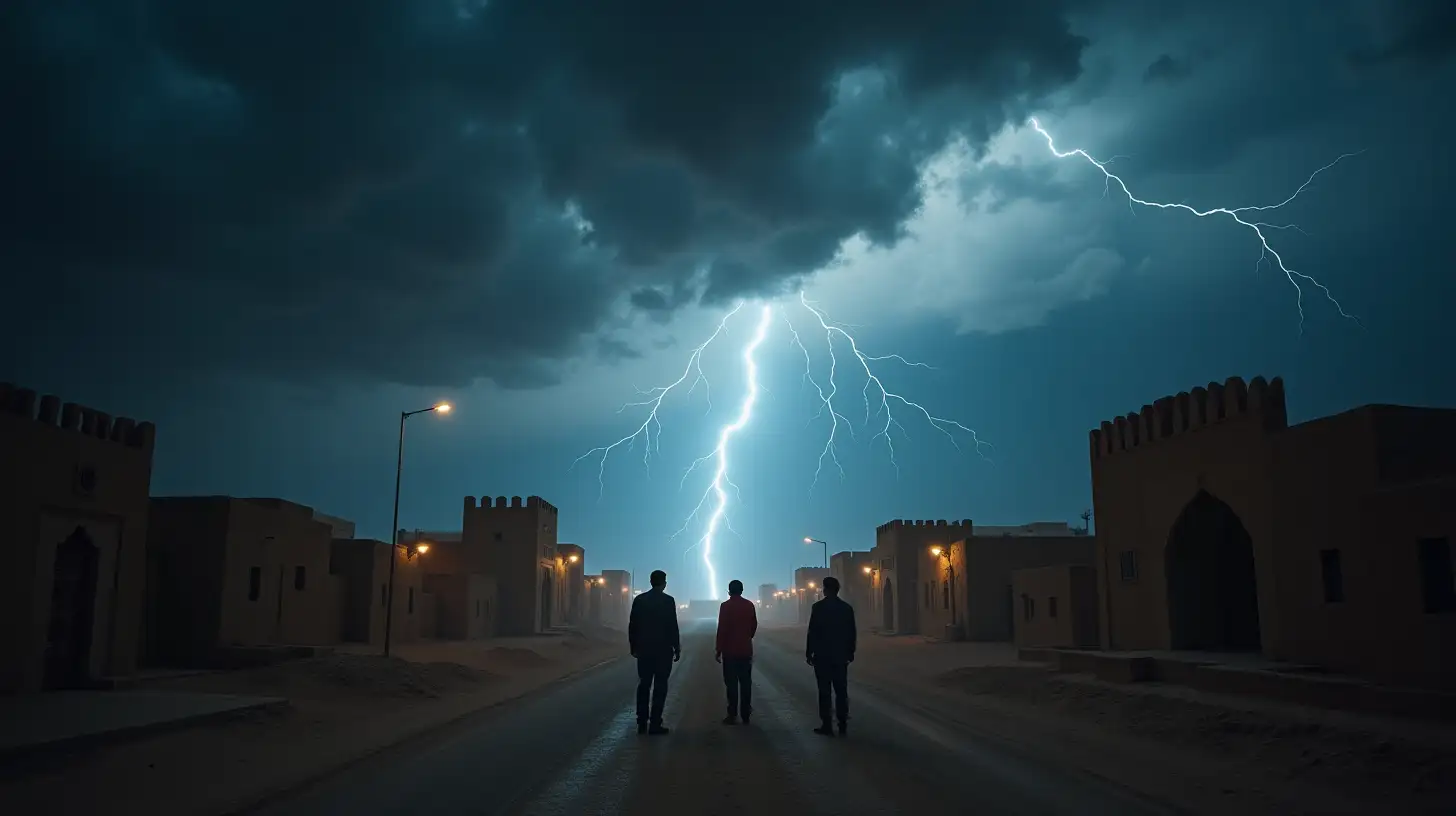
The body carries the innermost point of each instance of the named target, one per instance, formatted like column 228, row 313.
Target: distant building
column 515, row 541
column 338, row 527
column 593, row 594
column 231, row 572
column 74, row 504
column 571, row 568
column 361, row 568
column 904, row 574
column 808, row 588
column 1055, row 606
column 1223, row 528
column 950, row 580
column 459, row 604
column 766, row 592
column 616, row 598
column 856, row 577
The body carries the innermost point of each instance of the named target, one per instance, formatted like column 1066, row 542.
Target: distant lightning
column 874, row 389
column 717, row 489
column 651, row 428
column 712, row 506
column 1236, row 213
column 880, row 403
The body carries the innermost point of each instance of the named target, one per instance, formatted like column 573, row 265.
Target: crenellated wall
column 78, row 474
column 897, row 523
column 69, row 416
column 514, row 502
column 906, row 544
column 515, row 541
column 1189, row 411
column 1148, row 465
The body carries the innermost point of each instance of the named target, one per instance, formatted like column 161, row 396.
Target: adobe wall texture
column 66, row 468
column 1360, row 490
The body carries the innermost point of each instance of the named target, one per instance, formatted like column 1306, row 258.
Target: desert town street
column 574, row 749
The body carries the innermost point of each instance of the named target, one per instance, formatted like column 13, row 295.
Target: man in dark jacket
column 737, row 624
column 830, row 650
column 653, row 638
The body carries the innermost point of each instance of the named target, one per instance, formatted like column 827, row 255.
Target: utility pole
column 1086, row 521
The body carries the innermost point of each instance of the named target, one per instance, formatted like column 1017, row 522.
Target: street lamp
column 941, row 552
column 439, row 408
column 826, row 548
column 573, row 559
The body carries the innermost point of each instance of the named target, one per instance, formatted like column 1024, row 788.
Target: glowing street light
column 573, row 558
column 601, row 582
column 869, row 570
column 437, row 408
column 941, row 552
column 422, row 548
column 808, row 540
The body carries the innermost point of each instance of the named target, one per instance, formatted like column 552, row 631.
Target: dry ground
column 1233, row 746
column 344, row 706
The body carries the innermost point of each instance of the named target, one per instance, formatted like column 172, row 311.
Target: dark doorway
column 1213, row 600
column 73, row 607
column 887, row 609
column 545, row 599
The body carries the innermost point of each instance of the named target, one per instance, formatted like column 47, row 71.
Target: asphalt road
column 574, row 749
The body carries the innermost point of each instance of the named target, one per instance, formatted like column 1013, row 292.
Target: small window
column 300, row 578
column 927, row 594
column 1438, row 584
column 1052, row 607
column 1332, row 574
column 477, row 608
column 412, row 600
column 255, row 583
column 1128, row 563
column 1028, row 607
column 945, row 594
column 384, row 594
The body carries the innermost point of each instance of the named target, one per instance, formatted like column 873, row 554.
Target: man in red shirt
column 737, row 624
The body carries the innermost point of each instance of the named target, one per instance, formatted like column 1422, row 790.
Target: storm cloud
column 434, row 191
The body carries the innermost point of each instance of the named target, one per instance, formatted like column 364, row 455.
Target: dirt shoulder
column 344, row 706
column 1209, row 753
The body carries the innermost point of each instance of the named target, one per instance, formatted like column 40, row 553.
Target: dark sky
column 271, row 225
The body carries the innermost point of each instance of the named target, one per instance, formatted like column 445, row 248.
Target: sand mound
column 365, row 675
column 1300, row 744
column 515, row 657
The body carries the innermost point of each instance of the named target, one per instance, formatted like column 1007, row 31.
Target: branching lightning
column 1266, row 251
column 879, row 402
column 651, row 427
column 712, row 506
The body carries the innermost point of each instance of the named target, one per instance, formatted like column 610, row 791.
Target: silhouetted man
column 737, row 624
column 830, row 650
column 653, row 638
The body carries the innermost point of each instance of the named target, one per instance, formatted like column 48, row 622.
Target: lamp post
column 826, row 549
column 441, row 408
column 942, row 552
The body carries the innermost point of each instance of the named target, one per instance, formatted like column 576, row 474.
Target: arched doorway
column 1213, row 600
column 545, row 599
column 887, row 608
column 73, row 607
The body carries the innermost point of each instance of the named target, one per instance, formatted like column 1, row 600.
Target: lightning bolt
column 717, row 489
column 1237, row 214
column 879, row 404
column 650, row 431
column 874, row 390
